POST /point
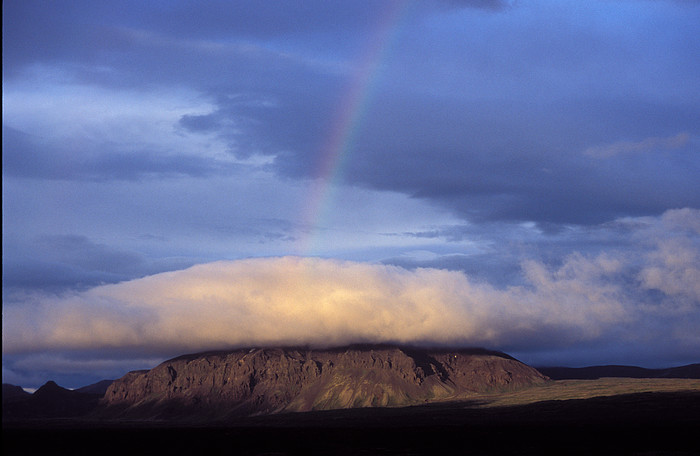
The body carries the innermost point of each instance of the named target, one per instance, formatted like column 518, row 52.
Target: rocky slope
column 271, row 380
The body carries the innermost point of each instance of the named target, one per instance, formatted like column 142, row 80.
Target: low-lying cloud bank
column 640, row 296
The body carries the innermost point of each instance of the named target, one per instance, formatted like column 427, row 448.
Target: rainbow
column 338, row 145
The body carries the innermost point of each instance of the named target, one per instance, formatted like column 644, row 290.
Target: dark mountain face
column 261, row 381
column 96, row 388
column 12, row 393
column 50, row 401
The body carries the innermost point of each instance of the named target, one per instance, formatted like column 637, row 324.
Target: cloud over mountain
column 531, row 157
column 322, row 302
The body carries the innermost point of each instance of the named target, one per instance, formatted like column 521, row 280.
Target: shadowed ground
column 645, row 423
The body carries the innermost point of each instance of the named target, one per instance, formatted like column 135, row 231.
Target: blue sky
column 180, row 176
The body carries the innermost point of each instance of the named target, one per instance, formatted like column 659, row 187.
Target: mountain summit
column 273, row 380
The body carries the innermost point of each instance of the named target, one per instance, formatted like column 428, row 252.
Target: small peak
column 50, row 387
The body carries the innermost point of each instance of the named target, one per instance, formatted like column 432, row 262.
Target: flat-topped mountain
column 272, row 380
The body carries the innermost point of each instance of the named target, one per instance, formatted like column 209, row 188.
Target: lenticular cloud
column 323, row 302
column 289, row 300
column 293, row 300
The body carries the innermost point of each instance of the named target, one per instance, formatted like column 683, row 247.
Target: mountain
column 271, row 380
column 596, row 372
column 50, row 401
column 96, row 388
column 13, row 393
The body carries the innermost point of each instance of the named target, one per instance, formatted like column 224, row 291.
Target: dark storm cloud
column 205, row 46
column 64, row 24
column 489, row 138
column 516, row 150
column 493, row 116
column 82, row 252
column 275, row 124
column 19, row 277
column 56, row 263
column 486, row 171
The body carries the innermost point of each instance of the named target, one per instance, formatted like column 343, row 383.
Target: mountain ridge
column 292, row 379
column 49, row 401
column 615, row 370
column 411, row 376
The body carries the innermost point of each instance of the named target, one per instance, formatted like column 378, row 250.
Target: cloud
column 58, row 262
column 252, row 302
column 65, row 132
column 296, row 300
column 673, row 267
column 203, row 125
column 645, row 145
column 673, row 270
column 476, row 112
column 494, row 5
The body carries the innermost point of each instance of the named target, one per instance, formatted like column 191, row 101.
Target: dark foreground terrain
column 649, row 423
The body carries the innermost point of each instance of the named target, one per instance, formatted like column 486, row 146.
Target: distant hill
column 272, row 380
column 49, row 401
column 595, row 372
column 12, row 393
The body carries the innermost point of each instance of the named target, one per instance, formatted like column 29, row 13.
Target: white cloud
column 91, row 120
column 643, row 295
column 674, row 270
column 296, row 300
column 645, row 145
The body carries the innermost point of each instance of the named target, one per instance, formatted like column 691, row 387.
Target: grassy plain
column 560, row 390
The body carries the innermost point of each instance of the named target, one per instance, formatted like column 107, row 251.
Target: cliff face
column 256, row 381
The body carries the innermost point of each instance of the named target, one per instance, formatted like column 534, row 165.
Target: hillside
column 272, row 380
column 99, row 388
column 595, row 372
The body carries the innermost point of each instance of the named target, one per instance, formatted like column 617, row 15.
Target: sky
column 181, row 176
